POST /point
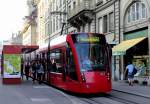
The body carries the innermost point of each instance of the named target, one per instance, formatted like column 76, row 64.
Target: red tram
column 83, row 63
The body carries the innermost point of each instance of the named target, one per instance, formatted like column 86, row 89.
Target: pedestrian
column 40, row 71
column 44, row 67
column 27, row 68
column 34, row 70
column 22, row 68
column 129, row 69
column 49, row 69
column 54, row 67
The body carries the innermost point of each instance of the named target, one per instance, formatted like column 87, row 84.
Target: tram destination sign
column 92, row 39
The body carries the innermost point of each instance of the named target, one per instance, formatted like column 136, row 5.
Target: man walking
column 129, row 70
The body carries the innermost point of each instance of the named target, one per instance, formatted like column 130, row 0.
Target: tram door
column 57, row 72
column 71, row 73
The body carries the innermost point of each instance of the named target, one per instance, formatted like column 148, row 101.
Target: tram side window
column 71, row 67
column 56, row 61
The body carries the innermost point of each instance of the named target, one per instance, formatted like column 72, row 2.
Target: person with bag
column 134, row 71
column 40, row 71
column 129, row 69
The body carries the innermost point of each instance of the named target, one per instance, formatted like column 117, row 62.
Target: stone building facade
column 126, row 24
column 134, row 37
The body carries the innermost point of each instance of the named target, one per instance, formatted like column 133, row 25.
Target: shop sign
column 137, row 34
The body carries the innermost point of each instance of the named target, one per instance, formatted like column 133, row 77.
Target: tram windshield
column 91, row 53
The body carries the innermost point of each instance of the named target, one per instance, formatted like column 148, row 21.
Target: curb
column 145, row 83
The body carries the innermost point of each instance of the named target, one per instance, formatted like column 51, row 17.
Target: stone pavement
column 135, row 89
column 29, row 93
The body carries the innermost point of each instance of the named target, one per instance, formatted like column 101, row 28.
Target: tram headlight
column 83, row 77
column 108, row 76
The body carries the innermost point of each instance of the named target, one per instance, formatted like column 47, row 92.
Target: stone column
column 117, row 37
column 149, row 52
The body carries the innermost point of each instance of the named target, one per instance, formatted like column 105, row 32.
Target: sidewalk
column 135, row 89
column 23, row 93
column 29, row 93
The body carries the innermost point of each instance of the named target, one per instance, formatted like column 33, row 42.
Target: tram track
column 110, row 98
column 90, row 101
column 127, row 98
column 135, row 97
column 139, row 95
column 122, row 100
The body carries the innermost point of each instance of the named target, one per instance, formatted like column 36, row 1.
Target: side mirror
column 68, row 52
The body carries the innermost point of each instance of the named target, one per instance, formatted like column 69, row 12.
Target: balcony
column 81, row 14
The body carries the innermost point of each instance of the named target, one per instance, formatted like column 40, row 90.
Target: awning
column 121, row 48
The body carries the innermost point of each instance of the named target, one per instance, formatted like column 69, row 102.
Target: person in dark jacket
column 22, row 69
column 27, row 68
column 49, row 69
column 34, row 70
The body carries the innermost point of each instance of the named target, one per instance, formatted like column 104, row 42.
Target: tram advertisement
column 12, row 65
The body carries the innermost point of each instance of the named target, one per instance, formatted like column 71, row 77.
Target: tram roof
column 55, row 41
column 29, row 48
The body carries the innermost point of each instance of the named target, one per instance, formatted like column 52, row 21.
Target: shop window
column 141, row 64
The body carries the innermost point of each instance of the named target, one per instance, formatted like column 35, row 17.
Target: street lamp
column 48, row 60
